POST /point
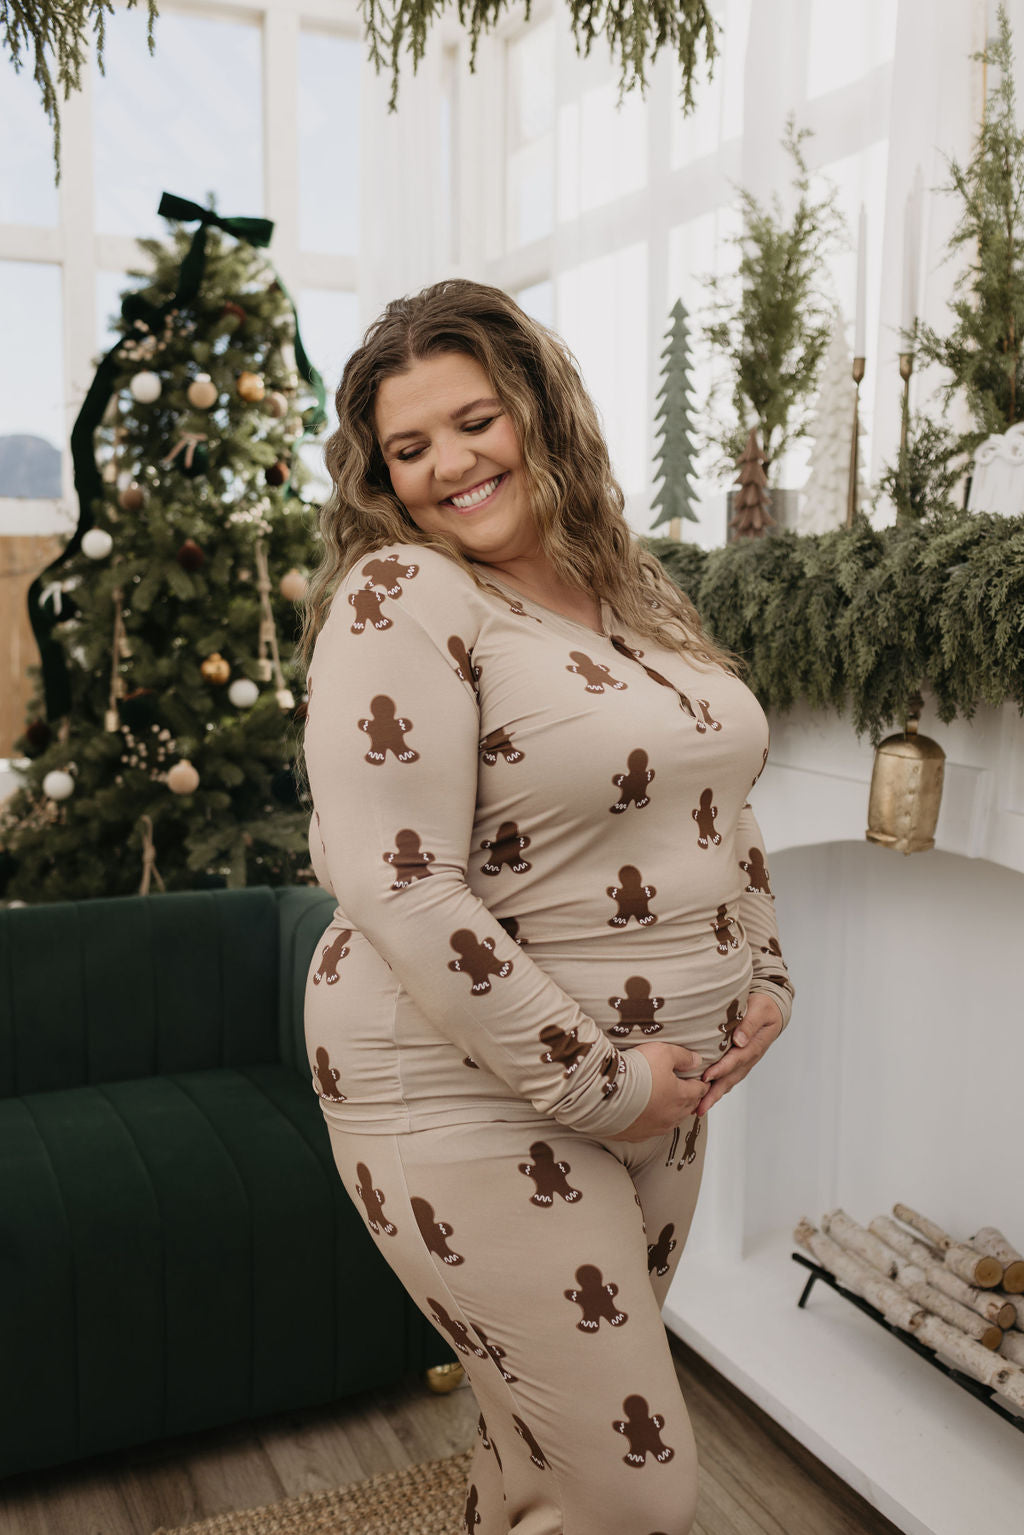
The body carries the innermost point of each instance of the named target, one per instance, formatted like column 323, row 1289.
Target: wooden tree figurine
column 675, row 413
column 751, row 517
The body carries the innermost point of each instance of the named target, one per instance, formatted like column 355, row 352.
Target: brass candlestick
column 851, row 492
column 906, row 369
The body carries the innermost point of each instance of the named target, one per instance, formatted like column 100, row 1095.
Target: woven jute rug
column 425, row 1500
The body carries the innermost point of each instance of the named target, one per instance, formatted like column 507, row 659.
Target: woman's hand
column 760, row 1026
column 672, row 1099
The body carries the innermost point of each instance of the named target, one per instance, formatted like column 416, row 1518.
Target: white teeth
column 477, row 495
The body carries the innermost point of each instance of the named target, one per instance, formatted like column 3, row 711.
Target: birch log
column 991, row 1369
column 1012, row 1347
column 991, row 1304
column 911, row 1278
column 860, row 1277
column 990, row 1240
column 970, row 1266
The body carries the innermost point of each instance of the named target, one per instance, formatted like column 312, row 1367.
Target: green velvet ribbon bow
column 88, row 482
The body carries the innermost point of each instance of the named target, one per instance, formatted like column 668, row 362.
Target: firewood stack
column 965, row 1300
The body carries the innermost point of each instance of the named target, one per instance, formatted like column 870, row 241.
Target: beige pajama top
column 541, row 849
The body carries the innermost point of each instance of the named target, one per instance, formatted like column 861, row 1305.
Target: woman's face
column 445, row 436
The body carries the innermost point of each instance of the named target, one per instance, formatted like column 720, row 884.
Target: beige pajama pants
column 543, row 1256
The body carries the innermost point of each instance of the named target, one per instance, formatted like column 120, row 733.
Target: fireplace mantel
column 897, row 1079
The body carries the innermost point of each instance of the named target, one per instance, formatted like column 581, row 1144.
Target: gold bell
column 906, row 790
column 442, row 1378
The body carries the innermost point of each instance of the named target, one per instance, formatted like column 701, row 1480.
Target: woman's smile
column 482, row 495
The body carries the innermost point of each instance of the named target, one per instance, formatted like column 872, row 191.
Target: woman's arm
column 392, row 753
column 757, row 914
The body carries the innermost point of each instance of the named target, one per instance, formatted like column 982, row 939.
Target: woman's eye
column 475, row 426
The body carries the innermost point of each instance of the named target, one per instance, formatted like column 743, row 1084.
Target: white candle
column 860, row 322
column 908, row 308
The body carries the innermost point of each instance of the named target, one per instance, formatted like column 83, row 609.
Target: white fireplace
column 899, row 1078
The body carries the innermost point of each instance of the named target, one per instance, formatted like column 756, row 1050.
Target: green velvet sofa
column 176, row 1248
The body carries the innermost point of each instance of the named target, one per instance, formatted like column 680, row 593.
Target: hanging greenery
column 61, row 30
column 984, row 350
column 636, row 30
column 772, row 321
column 861, row 618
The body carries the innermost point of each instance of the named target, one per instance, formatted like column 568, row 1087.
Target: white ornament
column 997, row 484
column 183, row 778
column 97, row 544
column 293, row 585
column 108, row 474
column 58, row 784
column 285, row 698
column 145, row 387
column 243, row 693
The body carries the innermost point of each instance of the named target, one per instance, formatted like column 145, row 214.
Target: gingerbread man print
column 772, row 948
column 387, row 731
column 367, row 603
column 659, row 1252
column 705, row 816
column 733, row 1016
column 511, row 927
column 507, row 848
column 597, row 677
column 536, row 1453
column 476, row 959
column 456, row 1330
column 563, row 1048
column 612, row 1068
column 549, row 1177
column 331, row 956
column 325, row 1078
column 636, row 1009
column 487, row 1440
column 643, row 1430
column 435, row 1233
column 386, row 573
column 499, row 743
column 690, row 1144
column 596, row 1300
column 408, row 859
column 472, row 1515
column 373, row 1199
column 764, row 760
column 496, row 1352
column 465, row 669
column 726, row 938
column 631, row 896
column 704, row 720
column 757, row 875
column 633, row 783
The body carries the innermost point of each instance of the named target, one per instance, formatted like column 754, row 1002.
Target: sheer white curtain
column 599, row 219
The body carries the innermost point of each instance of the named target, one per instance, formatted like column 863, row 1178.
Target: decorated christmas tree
column 675, row 413
column 751, row 517
column 164, row 729
column 824, row 500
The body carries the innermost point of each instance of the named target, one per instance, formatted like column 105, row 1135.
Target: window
column 31, row 384
column 329, row 142
column 27, row 192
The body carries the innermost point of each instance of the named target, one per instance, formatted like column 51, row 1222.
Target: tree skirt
column 424, row 1500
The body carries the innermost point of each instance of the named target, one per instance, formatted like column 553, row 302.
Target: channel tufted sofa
column 176, row 1248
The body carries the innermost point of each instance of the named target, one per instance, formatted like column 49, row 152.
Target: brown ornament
column 183, row 778
column 132, row 498
column 251, row 387
column 234, row 312
column 202, row 392
column 190, row 556
column 276, row 474
column 276, row 404
column 215, row 669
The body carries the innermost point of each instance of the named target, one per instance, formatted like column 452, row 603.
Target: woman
column 529, row 771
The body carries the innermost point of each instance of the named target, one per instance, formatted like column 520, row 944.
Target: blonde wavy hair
column 576, row 503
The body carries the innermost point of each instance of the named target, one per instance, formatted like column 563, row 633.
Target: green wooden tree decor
column 675, row 451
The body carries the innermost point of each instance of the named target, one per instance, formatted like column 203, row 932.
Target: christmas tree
column 164, row 729
column 824, row 500
column 675, row 413
column 751, row 517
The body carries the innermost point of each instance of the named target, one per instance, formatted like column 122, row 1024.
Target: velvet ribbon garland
column 88, row 483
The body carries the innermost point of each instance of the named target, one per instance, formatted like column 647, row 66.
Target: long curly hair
column 576, row 503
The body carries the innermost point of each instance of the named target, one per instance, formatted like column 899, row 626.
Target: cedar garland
column 861, row 618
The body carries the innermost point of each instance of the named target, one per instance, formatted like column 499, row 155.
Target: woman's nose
column 453, row 461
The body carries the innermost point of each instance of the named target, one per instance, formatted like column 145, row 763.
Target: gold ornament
column 215, row 668
column 202, row 392
column 906, row 789
column 293, row 585
column 442, row 1378
column 251, row 387
column 131, row 498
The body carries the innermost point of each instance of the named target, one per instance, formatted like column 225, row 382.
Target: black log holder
column 975, row 1387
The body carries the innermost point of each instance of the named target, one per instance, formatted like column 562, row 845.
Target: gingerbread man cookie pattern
column 637, row 1008
column 387, row 731
column 631, row 896
column 477, row 960
column 643, row 1430
column 408, row 859
column 549, row 1177
column 597, row 677
column 596, row 1300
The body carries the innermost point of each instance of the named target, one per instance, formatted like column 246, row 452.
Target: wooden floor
column 755, row 1479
